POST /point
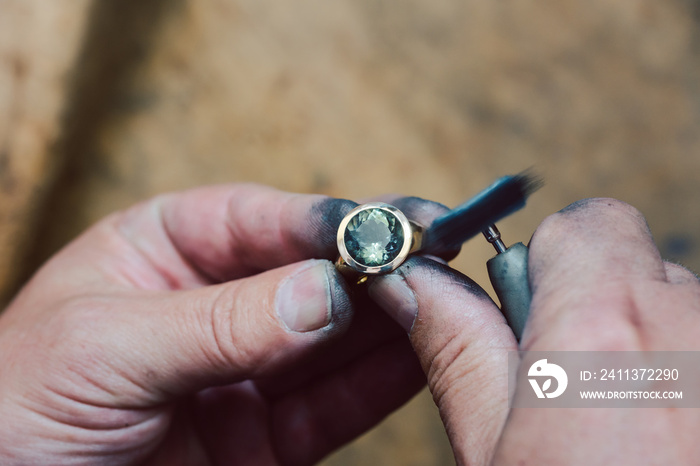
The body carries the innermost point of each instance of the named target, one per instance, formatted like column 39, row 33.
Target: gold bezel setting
column 410, row 231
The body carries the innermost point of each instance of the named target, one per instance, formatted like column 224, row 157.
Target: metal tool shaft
column 493, row 236
column 508, row 275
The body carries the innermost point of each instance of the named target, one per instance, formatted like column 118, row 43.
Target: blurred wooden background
column 104, row 103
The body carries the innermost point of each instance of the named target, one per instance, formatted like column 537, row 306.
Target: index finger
column 231, row 231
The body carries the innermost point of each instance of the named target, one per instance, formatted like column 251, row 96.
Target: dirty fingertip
column 396, row 298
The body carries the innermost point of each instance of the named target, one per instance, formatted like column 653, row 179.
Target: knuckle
column 449, row 366
column 462, row 362
column 218, row 330
column 236, row 333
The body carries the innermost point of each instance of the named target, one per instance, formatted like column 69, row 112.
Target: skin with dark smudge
column 322, row 222
column 418, row 266
column 576, row 206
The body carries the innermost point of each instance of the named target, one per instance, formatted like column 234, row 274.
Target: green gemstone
column 374, row 237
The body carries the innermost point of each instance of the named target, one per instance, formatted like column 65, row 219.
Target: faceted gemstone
column 374, row 237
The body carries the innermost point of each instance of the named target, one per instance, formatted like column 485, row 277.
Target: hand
column 599, row 284
column 110, row 353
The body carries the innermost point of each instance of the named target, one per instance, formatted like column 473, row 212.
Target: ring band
column 375, row 239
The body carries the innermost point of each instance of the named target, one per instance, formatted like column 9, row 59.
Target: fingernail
column 392, row 293
column 304, row 300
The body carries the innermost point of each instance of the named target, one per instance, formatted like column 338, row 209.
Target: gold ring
column 375, row 239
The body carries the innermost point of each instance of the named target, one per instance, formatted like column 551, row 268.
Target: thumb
column 462, row 341
column 179, row 342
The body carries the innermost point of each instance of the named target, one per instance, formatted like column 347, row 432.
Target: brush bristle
column 529, row 181
column 505, row 196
